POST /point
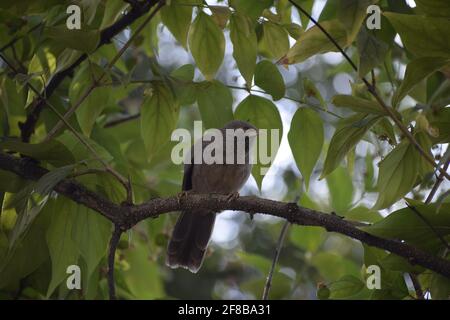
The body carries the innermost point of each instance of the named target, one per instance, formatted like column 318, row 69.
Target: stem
column 373, row 91
column 436, row 186
column 111, row 257
column 268, row 285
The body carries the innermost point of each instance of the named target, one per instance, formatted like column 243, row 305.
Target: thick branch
column 106, row 35
column 127, row 216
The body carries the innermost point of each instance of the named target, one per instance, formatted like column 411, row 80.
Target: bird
column 193, row 229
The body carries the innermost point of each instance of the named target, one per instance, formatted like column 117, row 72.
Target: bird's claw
column 232, row 196
column 181, row 195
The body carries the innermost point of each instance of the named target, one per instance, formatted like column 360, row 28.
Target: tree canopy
column 359, row 91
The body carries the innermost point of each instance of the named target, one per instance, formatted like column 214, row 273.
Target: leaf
column 251, row 8
column 307, row 238
column 143, row 278
column 10, row 182
column 113, row 11
column 340, row 186
column 159, row 116
column 363, row 214
column 263, row 114
column 243, row 38
column 268, row 77
column 417, row 71
column 348, row 133
column 358, row 104
column 332, row 266
column 346, row 287
column 398, row 174
column 352, row 14
column 63, row 250
column 53, row 152
column 82, row 40
column 313, row 41
column 221, row 15
column 306, row 140
column 183, row 85
column 93, row 105
column 311, row 93
column 274, row 42
column 423, row 36
column 177, row 16
column 407, row 225
column 91, row 233
column 434, row 8
column 207, row 44
column 215, row 103
column 372, row 51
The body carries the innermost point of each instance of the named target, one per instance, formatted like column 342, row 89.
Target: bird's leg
column 232, row 196
column 181, row 195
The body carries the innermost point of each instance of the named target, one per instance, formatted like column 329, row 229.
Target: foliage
column 128, row 104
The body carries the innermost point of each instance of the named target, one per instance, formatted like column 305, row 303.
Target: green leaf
column 263, row 114
column 53, row 152
column 434, row 8
column 311, row 93
column 91, row 233
column 307, row 238
column 352, row 14
column 143, row 278
column 363, row 214
column 306, row 140
column 346, row 287
column 348, row 133
column 423, row 36
column 332, row 266
column 251, row 8
column 417, row 71
column 10, row 182
column 82, row 40
column 268, row 77
column 274, row 42
column 63, row 250
column 358, row 104
column 340, row 186
column 92, row 106
column 207, row 44
column 177, row 16
column 159, row 116
column 113, row 11
column 184, row 87
column 398, row 174
column 215, row 103
column 243, row 38
column 372, row 51
column 313, row 41
column 405, row 224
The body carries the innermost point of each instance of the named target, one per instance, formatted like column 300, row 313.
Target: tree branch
column 373, row 91
column 111, row 257
column 128, row 216
column 268, row 284
column 106, row 35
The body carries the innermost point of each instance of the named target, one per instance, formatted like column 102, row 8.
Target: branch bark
column 106, row 35
column 127, row 216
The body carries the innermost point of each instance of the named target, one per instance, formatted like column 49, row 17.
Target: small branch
column 373, row 91
column 111, row 258
column 437, row 184
column 268, row 285
column 27, row 128
column 128, row 216
column 60, row 124
column 417, row 287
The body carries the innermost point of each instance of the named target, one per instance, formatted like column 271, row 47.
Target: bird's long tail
column 190, row 239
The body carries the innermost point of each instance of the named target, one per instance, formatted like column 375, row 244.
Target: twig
column 268, row 285
column 108, row 168
column 417, row 287
column 437, row 184
column 27, row 128
column 128, row 216
column 115, row 238
column 373, row 91
column 59, row 125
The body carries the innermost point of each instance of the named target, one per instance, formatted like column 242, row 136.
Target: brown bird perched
column 193, row 229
